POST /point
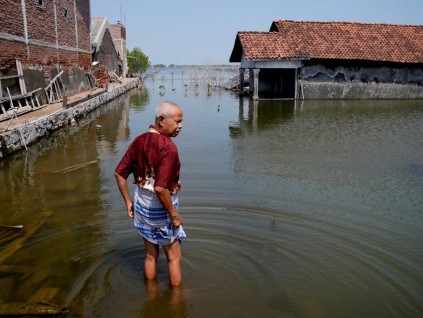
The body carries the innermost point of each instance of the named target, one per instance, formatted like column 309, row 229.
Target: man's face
column 172, row 124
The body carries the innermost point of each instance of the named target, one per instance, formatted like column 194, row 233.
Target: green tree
column 137, row 61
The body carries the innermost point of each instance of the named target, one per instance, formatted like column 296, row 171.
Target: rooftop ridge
column 348, row 22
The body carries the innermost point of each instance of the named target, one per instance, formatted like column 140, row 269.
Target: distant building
column 119, row 35
column 41, row 38
column 108, row 50
column 332, row 60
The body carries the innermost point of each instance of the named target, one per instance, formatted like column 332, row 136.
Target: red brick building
column 47, row 36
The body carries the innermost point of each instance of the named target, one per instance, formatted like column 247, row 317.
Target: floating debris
column 75, row 167
column 12, row 227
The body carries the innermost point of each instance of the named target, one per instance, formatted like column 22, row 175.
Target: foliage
column 138, row 62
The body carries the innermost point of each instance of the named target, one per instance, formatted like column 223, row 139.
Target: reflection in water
column 170, row 303
column 307, row 209
column 139, row 101
column 54, row 191
column 261, row 114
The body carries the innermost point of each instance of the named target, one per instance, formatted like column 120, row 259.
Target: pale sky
column 204, row 31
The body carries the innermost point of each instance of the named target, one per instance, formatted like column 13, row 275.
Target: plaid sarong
column 152, row 220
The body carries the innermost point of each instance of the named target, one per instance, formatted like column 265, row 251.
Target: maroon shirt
column 152, row 155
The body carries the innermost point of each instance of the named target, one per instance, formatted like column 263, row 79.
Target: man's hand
column 166, row 200
column 130, row 208
column 176, row 220
column 123, row 188
column 177, row 188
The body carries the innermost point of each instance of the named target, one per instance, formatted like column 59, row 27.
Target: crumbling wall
column 319, row 81
column 342, row 74
column 333, row 90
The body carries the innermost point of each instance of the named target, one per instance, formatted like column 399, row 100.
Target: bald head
column 169, row 117
column 166, row 109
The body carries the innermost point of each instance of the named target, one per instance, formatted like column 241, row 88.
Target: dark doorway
column 277, row 83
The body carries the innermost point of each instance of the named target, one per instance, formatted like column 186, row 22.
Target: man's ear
column 159, row 121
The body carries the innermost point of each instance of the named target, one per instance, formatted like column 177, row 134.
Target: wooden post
column 65, row 102
column 21, row 79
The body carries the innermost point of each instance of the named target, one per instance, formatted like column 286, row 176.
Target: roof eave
column 299, row 58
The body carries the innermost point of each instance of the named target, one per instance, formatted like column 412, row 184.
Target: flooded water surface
column 292, row 209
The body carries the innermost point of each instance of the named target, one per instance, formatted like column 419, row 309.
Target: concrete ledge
column 11, row 140
column 316, row 90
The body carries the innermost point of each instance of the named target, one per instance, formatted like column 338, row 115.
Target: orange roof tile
column 332, row 40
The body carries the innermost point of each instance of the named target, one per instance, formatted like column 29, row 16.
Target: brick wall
column 11, row 18
column 66, row 48
column 107, row 55
column 119, row 34
column 118, row 31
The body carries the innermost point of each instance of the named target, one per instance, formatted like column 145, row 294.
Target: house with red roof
column 331, row 60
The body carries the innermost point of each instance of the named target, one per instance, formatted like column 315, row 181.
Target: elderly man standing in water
column 154, row 161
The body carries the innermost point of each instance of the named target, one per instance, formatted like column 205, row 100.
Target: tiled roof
column 332, row 40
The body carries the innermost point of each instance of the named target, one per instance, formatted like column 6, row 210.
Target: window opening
column 41, row 4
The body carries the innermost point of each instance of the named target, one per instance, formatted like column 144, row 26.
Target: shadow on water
column 292, row 209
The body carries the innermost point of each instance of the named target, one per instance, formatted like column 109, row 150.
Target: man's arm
column 123, row 188
column 166, row 200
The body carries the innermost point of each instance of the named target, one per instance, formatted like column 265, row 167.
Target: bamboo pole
column 76, row 167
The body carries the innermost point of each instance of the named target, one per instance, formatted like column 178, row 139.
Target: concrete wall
column 74, row 80
column 320, row 81
column 383, row 74
column 316, row 90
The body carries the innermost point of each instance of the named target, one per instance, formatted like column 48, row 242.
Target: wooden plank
column 2, row 108
column 58, row 93
column 53, row 89
column 53, row 80
column 15, row 97
column 76, row 167
column 38, row 102
column 32, row 102
column 21, row 79
column 9, row 77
